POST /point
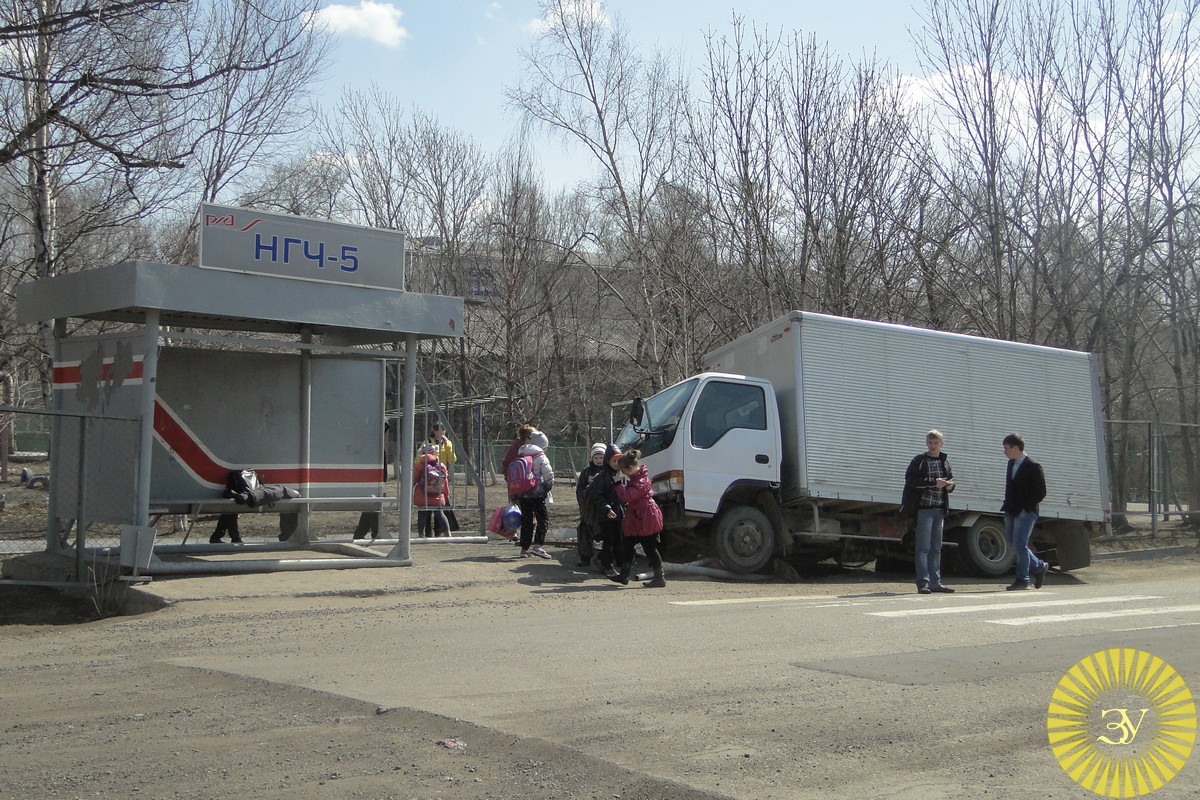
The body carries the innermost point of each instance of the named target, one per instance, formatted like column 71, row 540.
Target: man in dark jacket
column 1024, row 488
column 928, row 482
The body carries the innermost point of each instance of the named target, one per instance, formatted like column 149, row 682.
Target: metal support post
column 409, row 404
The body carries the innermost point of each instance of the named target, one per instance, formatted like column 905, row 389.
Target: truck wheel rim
column 747, row 540
column 992, row 545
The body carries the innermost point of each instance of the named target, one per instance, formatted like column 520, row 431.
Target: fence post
column 1152, row 479
column 481, row 453
column 81, row 500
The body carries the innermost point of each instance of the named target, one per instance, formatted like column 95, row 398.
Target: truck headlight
column 667, row 483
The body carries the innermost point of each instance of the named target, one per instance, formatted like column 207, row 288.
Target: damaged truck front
column 794, row 445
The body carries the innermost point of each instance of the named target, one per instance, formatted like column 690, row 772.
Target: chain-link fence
column 565, row 460
column 93, row 497
column 1154, row 471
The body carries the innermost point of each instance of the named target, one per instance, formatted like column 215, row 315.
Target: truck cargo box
column 856, row 399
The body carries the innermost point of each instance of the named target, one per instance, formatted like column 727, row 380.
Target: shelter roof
column 204, row 298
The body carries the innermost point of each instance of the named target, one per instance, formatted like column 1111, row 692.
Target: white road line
column 1083, row 601
column 1155, row 627
column 1123, row 612
column 737, row 600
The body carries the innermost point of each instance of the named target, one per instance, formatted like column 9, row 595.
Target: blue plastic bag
column 512, row 518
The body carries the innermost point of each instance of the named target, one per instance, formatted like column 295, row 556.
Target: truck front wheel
column 984, row 548
column 744, row 539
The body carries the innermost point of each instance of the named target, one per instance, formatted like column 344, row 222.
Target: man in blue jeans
column 928, row 482
column 1024, row 488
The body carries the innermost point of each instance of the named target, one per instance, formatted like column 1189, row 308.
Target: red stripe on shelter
column 74, row 374
column 196, row 458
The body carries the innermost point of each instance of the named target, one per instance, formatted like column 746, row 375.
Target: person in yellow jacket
column 445, row 447
column 440, row 445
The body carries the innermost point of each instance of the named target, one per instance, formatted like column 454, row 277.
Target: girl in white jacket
column 534, row 518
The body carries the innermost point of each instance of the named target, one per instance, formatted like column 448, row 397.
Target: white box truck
column 795, row 442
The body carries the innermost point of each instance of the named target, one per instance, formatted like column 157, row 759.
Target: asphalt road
column 847, row 686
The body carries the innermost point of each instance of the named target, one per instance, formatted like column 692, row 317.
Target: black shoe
column 215, row 539
column 657, row 582
column 1016, row 586
column 923, row 589
column 608, row 572
column 1039, row 577
column 622, row 578
column 235, row 540
column 940, row 589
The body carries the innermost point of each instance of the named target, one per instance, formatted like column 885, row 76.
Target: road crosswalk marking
column 972, row 609
column 1042, row 608
column 740, row 600
column 1111, row 614
column 1069, row 609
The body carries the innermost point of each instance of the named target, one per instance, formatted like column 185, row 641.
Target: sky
column 454, row 58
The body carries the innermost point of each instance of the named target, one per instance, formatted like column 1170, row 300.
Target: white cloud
column 572, row 10
column 379, row 22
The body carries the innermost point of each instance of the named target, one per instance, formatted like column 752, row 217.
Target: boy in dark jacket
column 585, row 533
column 609, row 511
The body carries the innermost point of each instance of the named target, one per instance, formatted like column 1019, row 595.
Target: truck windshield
column 660, row 421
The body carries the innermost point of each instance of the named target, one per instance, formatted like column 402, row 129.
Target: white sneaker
column 525, row 553
column 536, row 550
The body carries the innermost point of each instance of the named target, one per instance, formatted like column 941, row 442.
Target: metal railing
column 1154, row 471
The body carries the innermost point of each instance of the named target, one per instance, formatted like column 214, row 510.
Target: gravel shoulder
column 107, row 707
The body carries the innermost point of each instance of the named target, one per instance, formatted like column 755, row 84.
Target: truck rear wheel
column 984, row 549
column 744, row 539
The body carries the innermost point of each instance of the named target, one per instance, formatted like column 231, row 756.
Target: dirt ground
column 90, row 715
column 109, row 707
column 97, row 708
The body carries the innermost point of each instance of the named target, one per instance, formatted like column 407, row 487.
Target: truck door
column 733, row 435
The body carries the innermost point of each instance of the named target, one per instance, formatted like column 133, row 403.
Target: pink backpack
column 521, row 477
column 435, row 480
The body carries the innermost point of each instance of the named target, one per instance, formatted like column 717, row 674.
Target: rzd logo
column 1121, row 723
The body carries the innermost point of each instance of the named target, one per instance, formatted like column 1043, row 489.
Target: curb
column 1145, row 554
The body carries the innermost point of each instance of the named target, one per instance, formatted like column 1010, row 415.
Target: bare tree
column 967, row 44
column 585, row 81
column 511, row 337
column 732, row 155
column 368, row 136
column 448, row 174
column 309, row 185
column 254, row 113
column 98, row 104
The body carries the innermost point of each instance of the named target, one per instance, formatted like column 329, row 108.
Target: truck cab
column 711, row 444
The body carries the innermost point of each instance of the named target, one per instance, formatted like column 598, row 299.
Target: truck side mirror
column 636, row 412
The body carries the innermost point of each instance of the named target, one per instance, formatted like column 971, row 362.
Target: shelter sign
column 249, row 240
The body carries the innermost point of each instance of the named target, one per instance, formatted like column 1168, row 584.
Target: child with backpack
column 530, row 478
column 587, row 531
column 431, row 493
column 642, row 522
column 605, row 510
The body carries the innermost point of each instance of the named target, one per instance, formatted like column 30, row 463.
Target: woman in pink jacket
column 642, row 522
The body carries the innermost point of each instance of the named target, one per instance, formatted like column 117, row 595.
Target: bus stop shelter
column 208, row 370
